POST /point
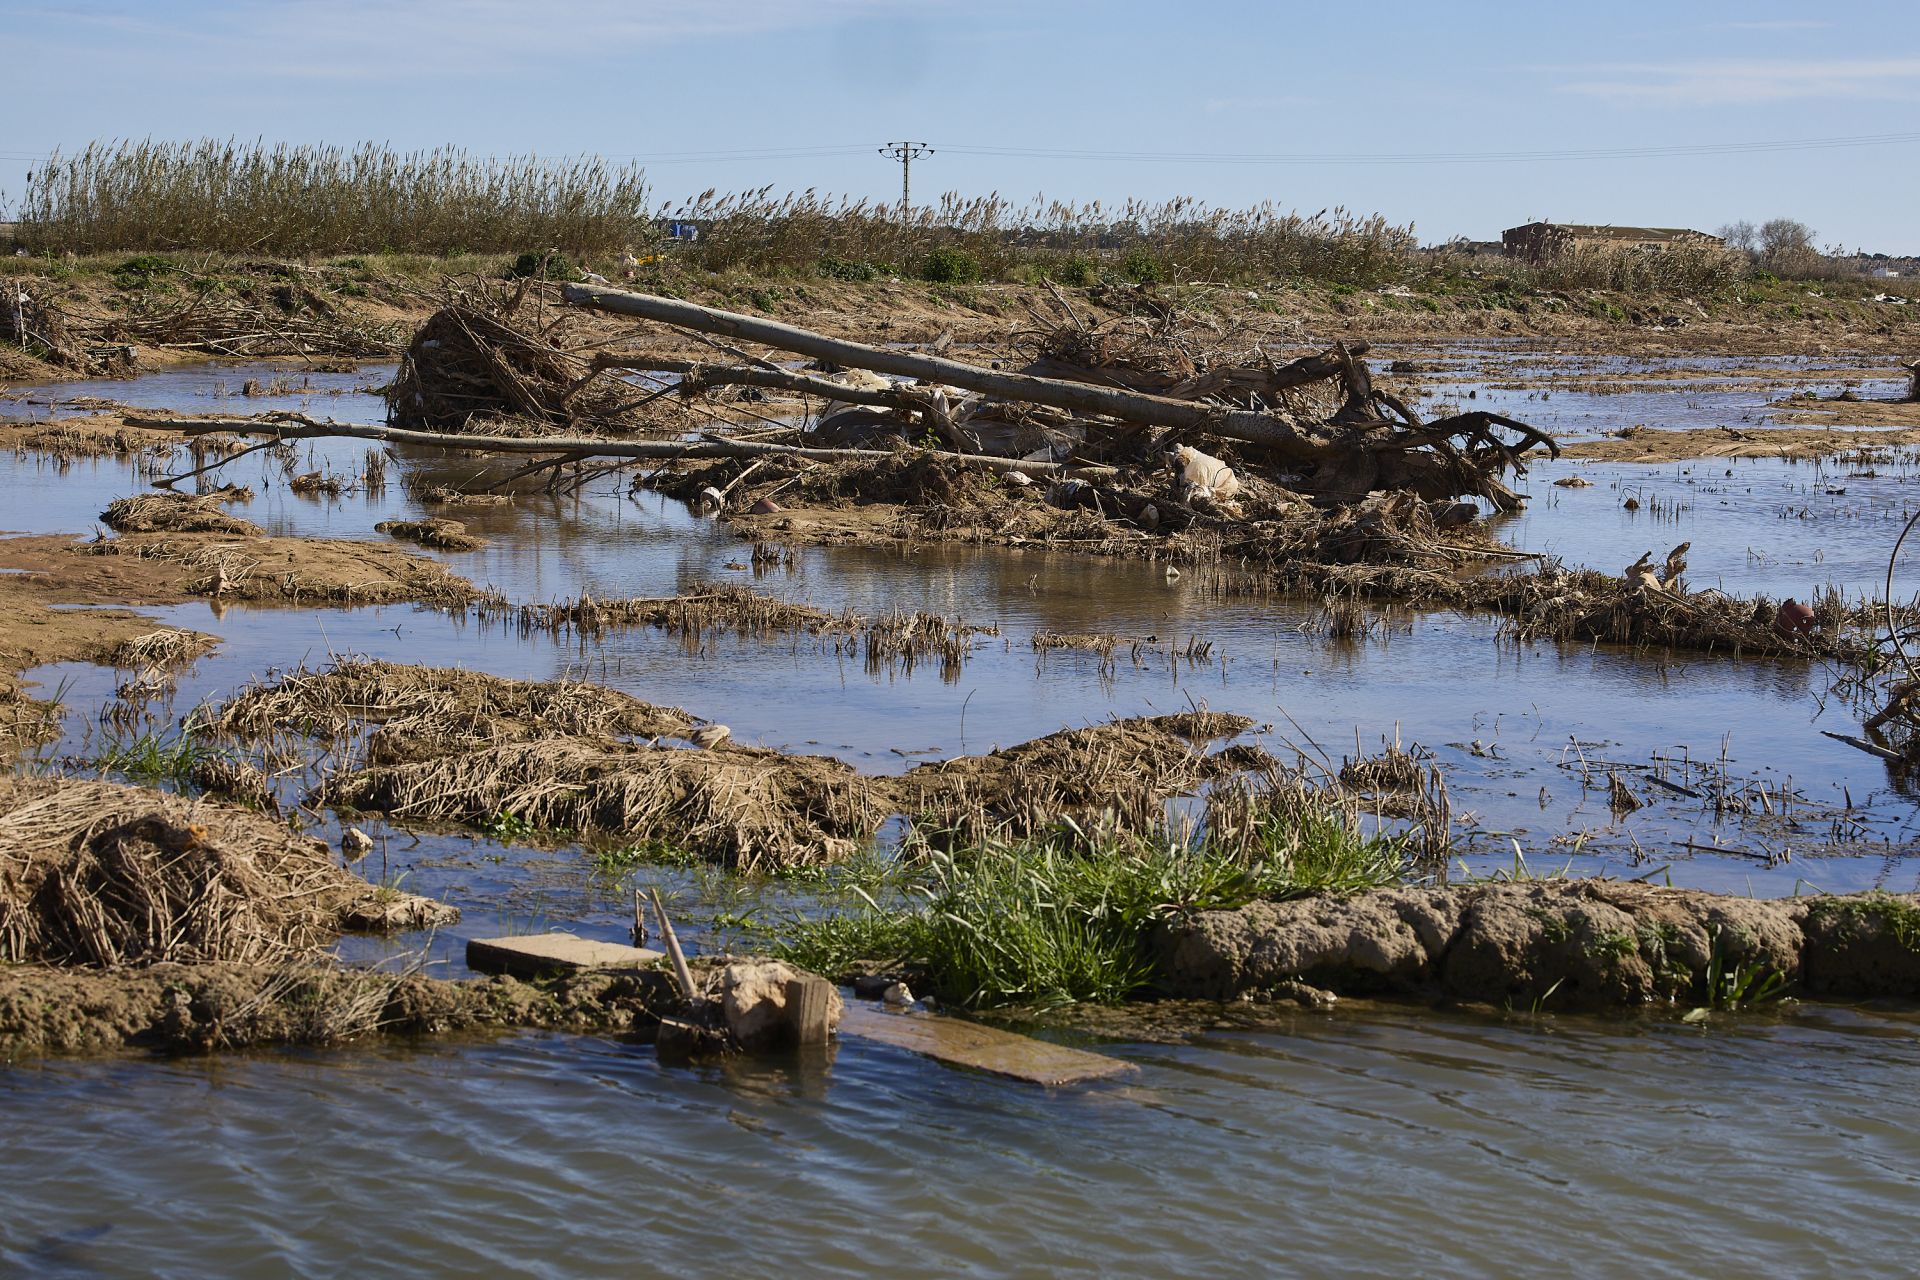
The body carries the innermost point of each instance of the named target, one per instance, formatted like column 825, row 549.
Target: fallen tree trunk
column 298, row 427
column 697, row 377
column 1358, row 450
column 1286, row 438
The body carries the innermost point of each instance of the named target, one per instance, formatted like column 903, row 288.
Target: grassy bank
column 1068, row 917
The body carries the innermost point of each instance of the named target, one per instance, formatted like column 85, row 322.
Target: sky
column 1460, row 119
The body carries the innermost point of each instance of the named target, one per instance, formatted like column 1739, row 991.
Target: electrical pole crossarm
column 906, row 153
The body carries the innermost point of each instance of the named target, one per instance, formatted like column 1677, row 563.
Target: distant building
column 1885, row 273
column 1541, row 241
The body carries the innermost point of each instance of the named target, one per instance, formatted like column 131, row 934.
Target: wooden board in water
column 969, row 1044
column 532, row 954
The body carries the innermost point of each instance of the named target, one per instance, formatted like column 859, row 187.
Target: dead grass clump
column 417, row 713
column 92, row 873
column 167, row 511
column 317, row 484
column 443, row 496
column 704, row 608
column 1116, row 776
column 745, row 808
column 81, row 440
column 902, row 640
column 159, row 650
column 440, row 533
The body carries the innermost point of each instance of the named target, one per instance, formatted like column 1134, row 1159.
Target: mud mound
column 297, row 570
column 174, row 1008
column 166, row 511
column 440, row 533
column 97, row 874
column 1555, row 944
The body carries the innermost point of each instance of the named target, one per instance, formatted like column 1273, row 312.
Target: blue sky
column 1355, row 100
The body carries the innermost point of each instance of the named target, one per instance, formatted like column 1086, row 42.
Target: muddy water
column 1371, row 1141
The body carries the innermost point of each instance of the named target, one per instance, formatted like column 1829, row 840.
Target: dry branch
column 286, row 426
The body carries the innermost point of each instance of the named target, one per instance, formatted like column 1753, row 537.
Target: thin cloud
column 360, row 39
column 1272, row 102
column 1726, row 83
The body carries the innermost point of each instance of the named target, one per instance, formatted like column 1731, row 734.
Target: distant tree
column 1786, row 247
column 1743, row 236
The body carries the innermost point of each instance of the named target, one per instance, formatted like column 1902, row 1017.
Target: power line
column 1443, row 157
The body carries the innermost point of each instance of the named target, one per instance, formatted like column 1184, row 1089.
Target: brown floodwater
column 1372, row 1140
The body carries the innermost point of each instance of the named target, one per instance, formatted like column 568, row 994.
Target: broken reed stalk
column 672, row 940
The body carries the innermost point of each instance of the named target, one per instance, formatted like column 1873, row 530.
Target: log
column 298, row 427
column 697, row 377
column 1286, row 438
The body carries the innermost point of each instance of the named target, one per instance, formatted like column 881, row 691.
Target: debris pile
column 492, row 353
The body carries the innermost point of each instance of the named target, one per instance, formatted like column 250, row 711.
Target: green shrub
column 1078, row 272
column 1070, row 918
column 842, row 269
column 138, row 273
column 548, row 266
column 1142, row 267
column 950, row 265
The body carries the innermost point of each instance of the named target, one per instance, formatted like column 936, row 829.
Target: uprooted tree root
column 92, row 873
column 492, row 352
column 434, row 745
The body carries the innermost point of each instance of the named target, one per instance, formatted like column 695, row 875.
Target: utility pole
column 906, row 153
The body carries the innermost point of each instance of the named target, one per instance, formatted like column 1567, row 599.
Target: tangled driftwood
column 1372, row 440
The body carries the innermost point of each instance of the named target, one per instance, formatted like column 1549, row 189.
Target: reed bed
column 254, row 198
column 739, row 807
column 703, row 609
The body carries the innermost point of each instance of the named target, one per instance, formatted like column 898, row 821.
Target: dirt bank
column 1553, row 944
column 1806, row 442
column 368, row 306
column 171, row 567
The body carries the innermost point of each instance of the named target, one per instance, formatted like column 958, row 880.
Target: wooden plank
column 530, row 955
column 983, row 1048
